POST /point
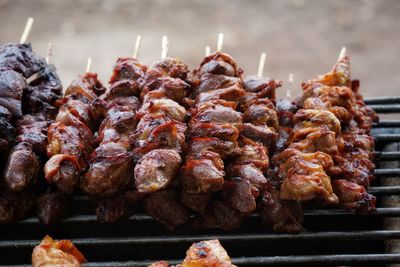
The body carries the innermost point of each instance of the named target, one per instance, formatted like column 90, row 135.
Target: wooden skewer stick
column 89, row 64
column 137, row 46
column 289, row 86
column 164, row 47
column 208, row 51
column 27, row 29
column 49, row 52
column 261, row 65
column 220, row 42
column 342, row 53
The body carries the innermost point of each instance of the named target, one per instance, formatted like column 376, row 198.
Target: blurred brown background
column 303, row 37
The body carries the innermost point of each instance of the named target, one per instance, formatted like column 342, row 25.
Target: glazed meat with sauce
column 156, row 170
column 56, row 253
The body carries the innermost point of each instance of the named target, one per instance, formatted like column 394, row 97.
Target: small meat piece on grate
column 56, row 253
column 207, row 253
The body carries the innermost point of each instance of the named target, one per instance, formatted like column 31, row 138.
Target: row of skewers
column 206, row 148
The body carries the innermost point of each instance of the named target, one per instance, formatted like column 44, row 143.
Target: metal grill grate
column 335, row 237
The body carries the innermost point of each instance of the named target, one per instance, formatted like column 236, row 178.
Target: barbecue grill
column 333, row 238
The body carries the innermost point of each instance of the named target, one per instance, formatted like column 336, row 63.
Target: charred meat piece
column 240, row 195
column 42, row 93
column 22, row 167
column 128, row 69
column 15, row 205
column 305, row 176
column 156, row 170
column 71, row 137
column 110, row 170
column 171, row 67
column 195, row 202
column 12, row 86
column 167, row 87
column 252, row 153
column 210, row 81
column 280, row 215
column 165, row 208
column 56, row 253
column 63, row 170
column 33, row 130
column 250, row 173
column 353, row 196
column 263, row 85
column 112, row 209
column 20, row 58
column 53, row 207
column 207, row 253
column 201, row 176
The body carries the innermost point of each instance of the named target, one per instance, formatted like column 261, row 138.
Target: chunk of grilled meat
column 110, row 170
column 15, row 205
column 12, row 85
column 53, row 206
column 156, row 170
column 22, row 167
column 304, row 176
column 207, row 253
column 112, row 209
column 56, row 253
column 354, row 197
column 42, row 93
column 71, row 135
column 20, row 58
column 164, row 207
column 280, row 215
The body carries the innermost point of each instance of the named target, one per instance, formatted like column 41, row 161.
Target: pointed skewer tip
column 164, row 47
column 137, row 46
column 291, row 78
column 26, row 31
column 261, row 65
column 290, row 85
column 89, row 64
column 207, row 50
column 49, row 52
column 342, row 53
column 220, row 42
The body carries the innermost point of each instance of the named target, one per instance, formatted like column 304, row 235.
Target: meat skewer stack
column 33, row 104
column 159, row 140
column 110, row 170
column 213, row 134
column 70, row 137
column 319, row 147
column 259, row 136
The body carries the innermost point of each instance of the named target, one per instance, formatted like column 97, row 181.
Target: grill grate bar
column 382, row 100
column 319, row 236
column 393, row 108
column 276, row 260
column 387, row 124
column 387, row 155
column 387, row 137
column 387, row 172
column 382, row 212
